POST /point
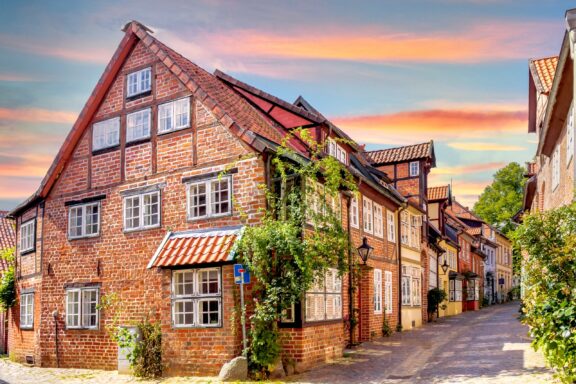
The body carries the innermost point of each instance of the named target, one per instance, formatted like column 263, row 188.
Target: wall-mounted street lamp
column 364, row 250
column 445, row 266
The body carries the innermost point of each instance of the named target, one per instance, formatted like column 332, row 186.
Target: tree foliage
column 298, row 239
column 7, row 280
column 502, row 199
column 548, row 241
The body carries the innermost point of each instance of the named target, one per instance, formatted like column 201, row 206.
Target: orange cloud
column 483, row 42
column 37, row 115
column 486, row 147
column 28, row 164
column 467, row 169
column 18, row 187
column 16, row 77
column 422, row 125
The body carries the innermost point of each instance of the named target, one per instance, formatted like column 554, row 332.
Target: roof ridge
column 402, row 146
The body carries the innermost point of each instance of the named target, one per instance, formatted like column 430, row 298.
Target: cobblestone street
column 489, row 346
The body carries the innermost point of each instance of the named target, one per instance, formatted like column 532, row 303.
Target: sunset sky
column 388, row 72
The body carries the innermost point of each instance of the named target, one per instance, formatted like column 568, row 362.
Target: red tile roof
column 543, row 70
column 474, row 231
column 7, row 237
column 439, row 193
column 406, row 153
column 196, row 247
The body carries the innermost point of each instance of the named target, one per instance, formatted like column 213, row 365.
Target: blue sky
column 388, row 72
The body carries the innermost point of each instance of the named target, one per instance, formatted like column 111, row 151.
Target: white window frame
column 455, row 290
column 141, row 212
column 378, row 221
column 367, row 215
column 145, row 116
column 80, row 314
column 208, row 185
column 570, row 135
column 556, row 167
column 414, row 168
column 391, row 226
column 405, row 228
column 337, row 151
column 411, row 286
column 141, row 80
column 378, row 291
column 354, row 222
column 388, row 292
column 28, row 235
column 27, row 310
column 84, row 224
column 196, row 298
column 106, row 134
column 170, row 111
column 328, row 288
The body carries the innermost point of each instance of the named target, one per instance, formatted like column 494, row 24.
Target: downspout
column 399, row 245
column 350, row 272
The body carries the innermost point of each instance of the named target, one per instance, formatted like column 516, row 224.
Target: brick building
column 146, row 199
column 7, row 242
column 551, row 174
column 408, row 168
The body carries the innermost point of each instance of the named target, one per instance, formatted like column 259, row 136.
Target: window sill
column 27, row 328
column 82, row 329
column 137, row 142
column 139, row 95
column 160, row 134
column 84, row 237
column 196, row 326
column 28, row 251
column 321, row 322
column 190, row 219
column 102, row 151
column 140, row 229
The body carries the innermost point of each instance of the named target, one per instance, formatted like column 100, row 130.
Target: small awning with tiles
column 196, row 247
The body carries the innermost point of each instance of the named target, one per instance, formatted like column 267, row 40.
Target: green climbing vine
column 299, row 237
column 7, row 280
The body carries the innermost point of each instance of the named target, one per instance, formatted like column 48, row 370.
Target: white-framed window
column 106, row 134
column 411, row 286
column 367, row 216
column 570, row 135
column 138, row 125
column 142, row 211
column 82, row 308
column 197, row 297
column 377, row 291
column 27, row 310
column 415, row 224
column 174, row 115
column 337, row 151
column 354, row 213
column 209, row 198
column 556, row 167
column 405, row 228
column 391, row 227
column 470, row 290
column 324, row 298
column 455, row 290
column 433, row 276
column 138, row 82
column 388, row 302
column 414, row 168
column 84, row 220
column 27, row 236
column 378, row 221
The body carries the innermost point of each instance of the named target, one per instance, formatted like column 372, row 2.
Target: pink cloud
column 479, row 146
column 37, row 115
column 467, row 169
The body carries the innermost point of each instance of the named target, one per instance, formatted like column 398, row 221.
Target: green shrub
column 548, row 241
column 435, row 297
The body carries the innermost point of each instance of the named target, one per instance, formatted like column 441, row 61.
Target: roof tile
column 438, row 193
column 406, row 153
column 7, row 237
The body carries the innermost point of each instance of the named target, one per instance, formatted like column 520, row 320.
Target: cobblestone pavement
column 489, row 346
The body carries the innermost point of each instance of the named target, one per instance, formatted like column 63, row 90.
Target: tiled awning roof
column 196, row 247
column 439, row 193
column 544, row 69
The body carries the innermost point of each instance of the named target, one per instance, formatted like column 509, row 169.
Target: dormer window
column 138, row 82
column 337, row 151
column 414, row 168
